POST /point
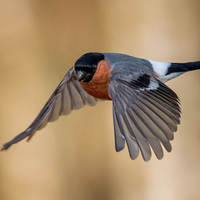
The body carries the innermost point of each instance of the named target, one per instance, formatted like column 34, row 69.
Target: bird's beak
column 81, row 75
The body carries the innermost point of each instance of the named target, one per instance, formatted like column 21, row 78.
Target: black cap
column 86, row 66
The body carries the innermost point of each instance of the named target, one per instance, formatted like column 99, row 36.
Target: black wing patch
column 68, row 96
column 145, row 115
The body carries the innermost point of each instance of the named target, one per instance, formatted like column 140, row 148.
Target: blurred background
column 75, row 157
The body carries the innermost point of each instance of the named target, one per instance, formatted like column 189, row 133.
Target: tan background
column 74, row 158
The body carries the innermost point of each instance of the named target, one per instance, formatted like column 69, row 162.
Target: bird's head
column 86, row 66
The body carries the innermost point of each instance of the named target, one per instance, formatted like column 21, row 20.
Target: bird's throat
column 98, row 86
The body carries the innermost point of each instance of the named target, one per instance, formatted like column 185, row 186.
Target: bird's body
column 145, row 111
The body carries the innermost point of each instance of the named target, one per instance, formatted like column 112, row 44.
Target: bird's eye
column 94, row 67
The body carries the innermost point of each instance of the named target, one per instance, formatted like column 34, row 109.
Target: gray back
column 114, row 58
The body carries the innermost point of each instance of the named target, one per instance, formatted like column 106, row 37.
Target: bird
column 146, row 112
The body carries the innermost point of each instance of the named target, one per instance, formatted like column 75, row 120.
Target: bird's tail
column 183, row 67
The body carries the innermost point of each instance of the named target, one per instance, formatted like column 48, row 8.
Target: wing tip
column 6, row 146
column 119, row 148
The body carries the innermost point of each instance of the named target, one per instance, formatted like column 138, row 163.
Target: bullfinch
column 145, row 111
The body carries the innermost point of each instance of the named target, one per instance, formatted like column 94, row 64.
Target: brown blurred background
column 75, row 158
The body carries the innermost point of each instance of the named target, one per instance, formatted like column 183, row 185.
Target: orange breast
column 98, row 86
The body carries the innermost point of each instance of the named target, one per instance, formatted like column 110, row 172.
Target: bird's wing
column 145, row 112
column 68, row 96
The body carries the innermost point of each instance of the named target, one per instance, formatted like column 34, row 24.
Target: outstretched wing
column 68, row 96
column 145, row 112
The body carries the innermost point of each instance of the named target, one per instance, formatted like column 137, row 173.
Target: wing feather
column 55, row 111
column 161, row 111
column 66, row 101
column 146, row 113
column 130, row 140
column 135, row 129
column 77, row 101
column 135, row 114
column 68, row 96
column 119, row 137
column 174, row 107
column 155, row 124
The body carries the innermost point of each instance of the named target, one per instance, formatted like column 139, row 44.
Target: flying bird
column 146, row 112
